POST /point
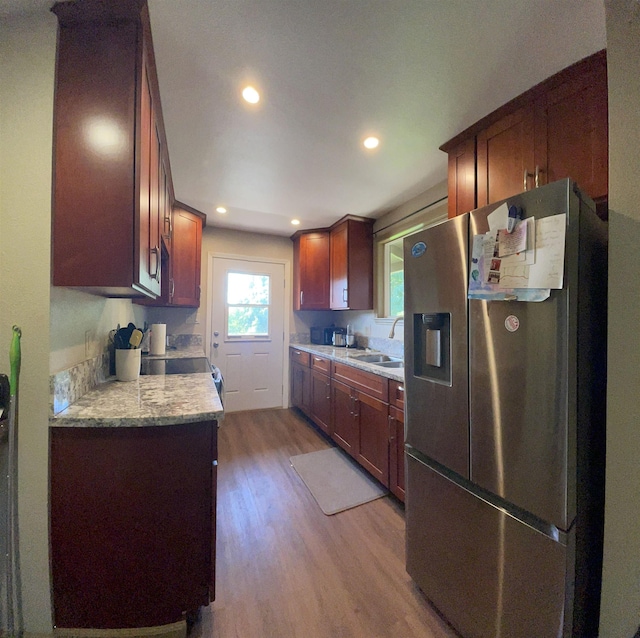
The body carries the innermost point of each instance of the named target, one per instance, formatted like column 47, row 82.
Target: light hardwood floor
column 284, row 569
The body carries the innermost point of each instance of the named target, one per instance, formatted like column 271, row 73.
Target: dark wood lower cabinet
column 301, row 387
column 361, row 411
column 132, row 524
column 373, row 431
column 396, row 452
column 321, row 400
column 345, row 425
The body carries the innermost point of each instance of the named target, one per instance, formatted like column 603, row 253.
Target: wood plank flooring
column 285, row 569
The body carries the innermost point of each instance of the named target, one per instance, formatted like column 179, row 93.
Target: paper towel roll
column 158, row 338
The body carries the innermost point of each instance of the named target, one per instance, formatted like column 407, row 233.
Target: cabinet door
column 131, row 524
column 311, row 271
column 297, row 381
column 505, row 153
column 148, row 227
column 185, row 259
column 301, row 387
column 571, row 128
column 462, row 178
column 373, row 434
column 352, row 265
column 396, row 452
column 321, row 400
column 345, row 424
column 339, row 269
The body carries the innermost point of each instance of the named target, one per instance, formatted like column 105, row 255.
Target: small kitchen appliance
column 339, row 337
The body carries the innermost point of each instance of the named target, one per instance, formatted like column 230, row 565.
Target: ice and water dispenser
column 432, row 346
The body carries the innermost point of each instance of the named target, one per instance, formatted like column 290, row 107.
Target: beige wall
column 80, row 325
column 27, row 50
column 229, row 242
column 620, row 611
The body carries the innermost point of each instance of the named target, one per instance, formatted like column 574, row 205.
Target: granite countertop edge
column 149, row 401
column 347, row 355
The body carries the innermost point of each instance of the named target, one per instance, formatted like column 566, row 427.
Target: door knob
column 216, row 333
column 215, row 344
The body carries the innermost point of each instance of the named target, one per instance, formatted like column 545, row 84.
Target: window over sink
column 389, row 251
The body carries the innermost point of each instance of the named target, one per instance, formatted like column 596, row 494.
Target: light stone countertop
column 348, row 356
column 151, row 400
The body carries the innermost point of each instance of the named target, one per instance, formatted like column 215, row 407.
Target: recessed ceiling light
column 295, row 222
column 221, row 210
column 250, row 95
column 371, row 142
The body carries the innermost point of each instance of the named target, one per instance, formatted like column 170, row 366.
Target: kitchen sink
column 378, row 359
column 389, row 364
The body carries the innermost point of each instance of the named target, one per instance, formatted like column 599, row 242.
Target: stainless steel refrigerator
column 505, row 439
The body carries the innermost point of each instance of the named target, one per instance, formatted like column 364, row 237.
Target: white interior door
column 247, row 331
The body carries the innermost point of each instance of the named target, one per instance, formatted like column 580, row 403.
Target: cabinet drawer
column 320, row 363
column 396, row 394
column 372, row 384
column 299, row 356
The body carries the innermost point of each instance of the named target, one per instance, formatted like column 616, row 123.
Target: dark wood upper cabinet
column 504, row 154
column 351, row 271
column 185, row 259
column 462, row 189
column 555, row 130
column 109, row 151
column 181, row 260
column 311, row 270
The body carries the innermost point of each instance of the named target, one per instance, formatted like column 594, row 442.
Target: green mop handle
column 15, row 360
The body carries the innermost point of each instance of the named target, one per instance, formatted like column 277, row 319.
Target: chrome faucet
column 392, row 332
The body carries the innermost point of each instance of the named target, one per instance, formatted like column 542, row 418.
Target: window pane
column 394, row 285
column 248, row 320
column 244, row 288
column 396, row 293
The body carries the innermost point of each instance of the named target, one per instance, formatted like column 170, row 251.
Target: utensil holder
column 128, row 364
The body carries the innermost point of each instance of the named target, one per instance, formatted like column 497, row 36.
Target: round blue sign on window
column 418, row 249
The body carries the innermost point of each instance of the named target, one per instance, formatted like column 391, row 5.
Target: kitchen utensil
column 136, row 338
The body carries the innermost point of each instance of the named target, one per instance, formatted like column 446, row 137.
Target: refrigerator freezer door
column 489, row 574
column 435, row 263
column 521, row 362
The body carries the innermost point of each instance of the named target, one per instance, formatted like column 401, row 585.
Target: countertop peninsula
column 149, row 401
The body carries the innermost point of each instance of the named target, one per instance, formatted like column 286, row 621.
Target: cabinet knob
column 527, row 174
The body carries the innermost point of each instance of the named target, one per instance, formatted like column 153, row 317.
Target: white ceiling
column 414, row 72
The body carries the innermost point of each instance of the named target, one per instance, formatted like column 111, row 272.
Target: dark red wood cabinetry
column 351, row 270
column 181, row 260
column 555, row 130
column 109, row 151
column 132, row 524
column 396, row 439
column 333, row 267
column 361, row 411
column 311, row 270
column 321, row 392
column 300, row 380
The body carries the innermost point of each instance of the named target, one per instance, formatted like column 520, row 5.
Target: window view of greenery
column 247, row 305
column 395, row 279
